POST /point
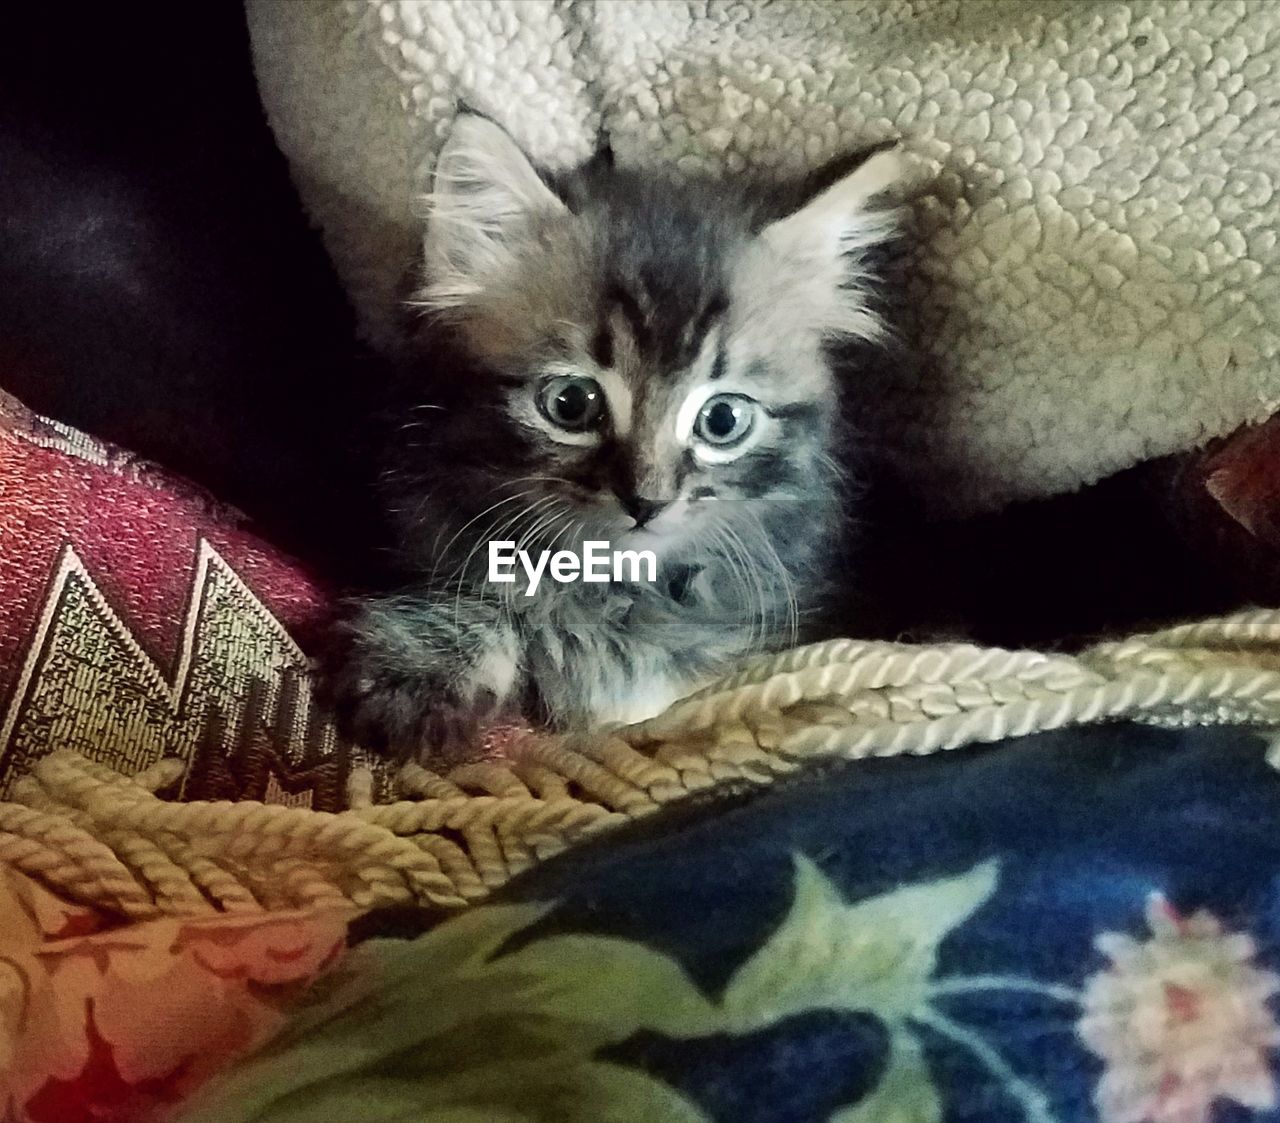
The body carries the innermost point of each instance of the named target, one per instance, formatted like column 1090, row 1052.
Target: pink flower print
column 1180, row 1019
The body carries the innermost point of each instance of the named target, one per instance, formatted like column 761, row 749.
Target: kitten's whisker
column 507, row 527
column 771, row 621
column 459, row 577
column 578, row 525
column 420, row 507
column 565, row 525
column 510, row 528
column 736, row 563
column 759, row 620
column 763, row 570
column 529, row 536
column 838, row 470
column 784, row 575
column 496, row 533
column 441, row 554
column 464, row 585
column 544, row 479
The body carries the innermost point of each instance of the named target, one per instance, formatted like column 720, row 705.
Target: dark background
column 161, row 287
column 159, row 284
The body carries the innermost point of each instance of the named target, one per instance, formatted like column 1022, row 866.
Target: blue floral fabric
column 1077, row 926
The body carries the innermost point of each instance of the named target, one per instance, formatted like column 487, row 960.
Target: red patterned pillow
column 141, row 619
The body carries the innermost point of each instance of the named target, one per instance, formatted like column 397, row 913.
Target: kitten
column 618, row 356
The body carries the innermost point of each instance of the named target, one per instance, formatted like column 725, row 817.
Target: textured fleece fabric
column 1091, row 262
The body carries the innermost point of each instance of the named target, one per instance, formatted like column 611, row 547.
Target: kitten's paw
column 420, row 714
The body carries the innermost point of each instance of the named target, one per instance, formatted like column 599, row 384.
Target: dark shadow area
column 1056, row 572
column 159, row 284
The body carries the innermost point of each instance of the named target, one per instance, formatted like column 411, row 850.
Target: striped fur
column 670, row 296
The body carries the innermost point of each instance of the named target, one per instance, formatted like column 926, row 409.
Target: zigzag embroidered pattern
column 449, row 841
column 87, row 683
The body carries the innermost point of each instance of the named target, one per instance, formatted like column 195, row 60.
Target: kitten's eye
column 572, row 402
column 725, row 420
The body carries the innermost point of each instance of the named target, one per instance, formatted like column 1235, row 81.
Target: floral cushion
column 1076, row 926
column 108, row 1023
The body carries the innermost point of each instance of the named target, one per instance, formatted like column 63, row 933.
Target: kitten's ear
column 818, row 265
column 838, row 221
column 484, row 190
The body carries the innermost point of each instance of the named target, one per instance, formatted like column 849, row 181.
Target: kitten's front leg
column 410, row 676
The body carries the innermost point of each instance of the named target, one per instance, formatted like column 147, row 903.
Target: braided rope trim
column 108, row 840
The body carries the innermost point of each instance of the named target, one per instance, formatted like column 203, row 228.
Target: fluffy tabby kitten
column 615, row 355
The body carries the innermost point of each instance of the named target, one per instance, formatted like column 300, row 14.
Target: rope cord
column 107, row 839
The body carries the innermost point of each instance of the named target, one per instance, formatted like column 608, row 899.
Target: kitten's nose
column 642, row 510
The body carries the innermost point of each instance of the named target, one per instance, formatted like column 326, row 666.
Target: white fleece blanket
column 1093, row 235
